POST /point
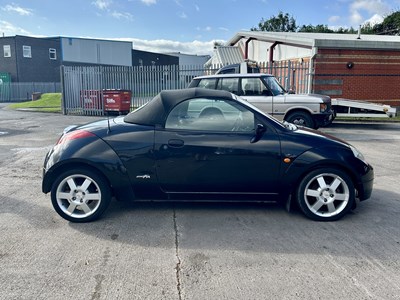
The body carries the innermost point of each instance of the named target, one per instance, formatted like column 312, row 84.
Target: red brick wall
column 374, row 76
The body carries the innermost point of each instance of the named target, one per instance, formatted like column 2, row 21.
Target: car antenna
column 108, row 122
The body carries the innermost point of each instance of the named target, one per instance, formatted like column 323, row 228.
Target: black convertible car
column 202, row 145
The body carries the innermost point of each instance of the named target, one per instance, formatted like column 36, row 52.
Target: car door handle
column 175, row 143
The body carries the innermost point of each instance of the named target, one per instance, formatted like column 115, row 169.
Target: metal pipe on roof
column 314, row 53
column 246, row 47
column 271, row 51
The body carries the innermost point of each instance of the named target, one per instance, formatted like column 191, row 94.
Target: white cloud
column 197, row 7
column 149, row 2
column 168, row 46
column 105, row 5
column 182, row 15
column 178, row 2
column 371, row 8
column 102, row 4
column 375, row 19
column 356, row 18
column 122, row 15
column 10, row 29
column 19, row 10
column 207, row 28
column 334, row 19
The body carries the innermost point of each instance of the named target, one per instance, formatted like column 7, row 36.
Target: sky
column 184, row 26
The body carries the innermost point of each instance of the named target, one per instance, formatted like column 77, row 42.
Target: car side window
column 207, row 83
column 254, row 87
column 229, row 84
column 210, row 115
column 274, row 86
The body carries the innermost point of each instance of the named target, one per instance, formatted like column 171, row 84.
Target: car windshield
column 274, row 85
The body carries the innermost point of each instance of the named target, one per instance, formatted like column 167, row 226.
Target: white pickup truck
column 265, row 92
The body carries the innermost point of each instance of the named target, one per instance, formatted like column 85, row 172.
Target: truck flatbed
column 361, row 109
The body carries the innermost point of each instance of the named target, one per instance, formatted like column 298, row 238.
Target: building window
column 27, row 52
column 7, row 50
column 52, row 53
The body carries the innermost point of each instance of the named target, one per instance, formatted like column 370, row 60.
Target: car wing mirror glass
column 259, row 132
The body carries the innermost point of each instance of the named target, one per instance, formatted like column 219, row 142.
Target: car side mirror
column 260, row 130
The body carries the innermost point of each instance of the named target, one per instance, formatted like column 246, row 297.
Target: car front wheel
column 80, row 195
column 326, row 194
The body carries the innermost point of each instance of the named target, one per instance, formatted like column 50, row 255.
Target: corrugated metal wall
column 22, row 91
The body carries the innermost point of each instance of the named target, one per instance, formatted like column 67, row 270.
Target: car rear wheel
column 326, row 194
column 80, row 195
column 300, row 118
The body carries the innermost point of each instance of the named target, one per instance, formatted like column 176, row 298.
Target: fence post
column 63, row 105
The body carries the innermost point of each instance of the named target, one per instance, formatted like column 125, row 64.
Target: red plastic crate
column 117, row 100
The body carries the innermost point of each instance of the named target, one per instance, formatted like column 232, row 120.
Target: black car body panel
column 143, row 159
column 92, row 153
column 221, row 166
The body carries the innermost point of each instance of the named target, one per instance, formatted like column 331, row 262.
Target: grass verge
column 50, row 102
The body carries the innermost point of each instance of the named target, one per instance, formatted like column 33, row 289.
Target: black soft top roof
column 156, row 111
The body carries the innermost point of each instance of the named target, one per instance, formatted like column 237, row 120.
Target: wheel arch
column 118, row 184
column 296, row 180
column 326, row 165
column 51, row 175
column 296, row 109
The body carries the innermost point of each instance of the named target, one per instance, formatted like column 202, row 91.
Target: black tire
column 326, row 194
column 80, row 195
column 300, row 118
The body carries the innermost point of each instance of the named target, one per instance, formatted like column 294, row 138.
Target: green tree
column 280, row 23
column 346, row 30
column 367, row 28
column 318, row 28
column 286, row 23
column 218, row 44
column 390, row 25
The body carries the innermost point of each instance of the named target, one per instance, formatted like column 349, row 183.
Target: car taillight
column 73, row 135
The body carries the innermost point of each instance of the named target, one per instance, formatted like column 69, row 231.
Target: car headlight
column 357, row 153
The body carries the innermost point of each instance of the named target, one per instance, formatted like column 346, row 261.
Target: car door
column 255, row 91
column 259, row 93
column 199, row 152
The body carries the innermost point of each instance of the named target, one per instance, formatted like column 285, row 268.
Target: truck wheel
column 300, row 118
